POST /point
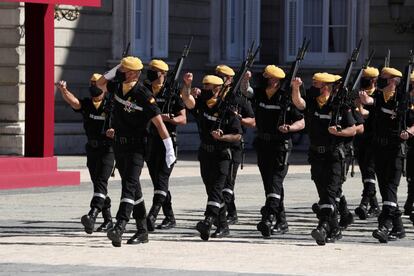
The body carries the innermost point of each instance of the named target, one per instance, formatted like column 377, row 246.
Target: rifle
column 228, row 93
column 387, row 59
column 402, row 104
column 340, row 95
column 285, row 90
column 170, row 87
column 358, row 76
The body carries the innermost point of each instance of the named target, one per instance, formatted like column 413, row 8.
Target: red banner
column 90, row 3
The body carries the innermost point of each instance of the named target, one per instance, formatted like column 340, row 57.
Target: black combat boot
column 315, row 208
column 169, row 221
column 374, row 209
column 107, row 223
column 204, row 227
column 141, row 236
column 346, row 217
column 335, row 232
column 222, row 225
column 321, row 232
column 362, row 211
column 88, row 220
column 384, row 226
column 232, row 217
column 281, row 226
column 397, row 231
column 265, row 225
column 115, row 233
column 152, row 217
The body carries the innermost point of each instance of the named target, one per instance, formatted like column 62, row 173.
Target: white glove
column 111, row 73
column 169, row 152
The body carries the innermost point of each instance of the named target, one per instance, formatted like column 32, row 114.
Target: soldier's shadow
column 301, row 222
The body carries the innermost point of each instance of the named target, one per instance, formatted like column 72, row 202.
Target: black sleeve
column 295, row 114
column 246, row 108
column 148, row 102
column 347, row 119
column 178, row 104
column 234, row 126
column 112, row 86
column 359, row 120
column 83, row 108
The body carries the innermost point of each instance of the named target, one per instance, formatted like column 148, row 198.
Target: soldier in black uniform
column 217, row 134
column 326, row 151
column 273, row 145
column 99, row 152
column 389, row 142
column 408, row 206
column 134, row 107
column 365, row 149
column 245, row 112
column 155, row 153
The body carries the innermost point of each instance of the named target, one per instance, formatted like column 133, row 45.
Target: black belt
column 324, row 149
column 213, row 148
column 122, row 140
column 269, row 137
column 385, row 141
column 98, row 143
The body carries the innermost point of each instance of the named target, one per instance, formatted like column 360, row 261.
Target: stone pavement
column 40, row 232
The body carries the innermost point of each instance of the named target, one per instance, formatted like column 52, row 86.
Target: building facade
column 222, row 31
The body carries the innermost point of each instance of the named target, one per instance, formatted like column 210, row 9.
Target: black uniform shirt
column 359, row 120
column 386, row 123
column 176, row 105
column 318, row 121
column 94, row 119
column 207, row 122
column 410, row 122
column 369, row 121
column 132, row 111
column 268, row 112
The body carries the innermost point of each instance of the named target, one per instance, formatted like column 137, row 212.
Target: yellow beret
column 324, row 77
column 225, row 70
column 412, row 76
column 159, row 64
column 211, row 79
column 95, row 77
column 132, row 63
column 391, row 71
column 272, row 71
column 337, row 77
column 370, row 72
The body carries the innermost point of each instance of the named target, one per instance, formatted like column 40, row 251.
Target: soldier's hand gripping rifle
column 227, row 94
column 170, row 87
column 340, row 91
column 403, row 104
column 285, row 88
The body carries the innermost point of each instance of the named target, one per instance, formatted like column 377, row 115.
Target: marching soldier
column 273, row 144
column 134, row 107
column 408, row 206
column 157, row 167
column 245, row 112
column 326, row 151
column 99, row 152
column 365, row 149
column 389, row 153
column 214, row 153
column 345, row 216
